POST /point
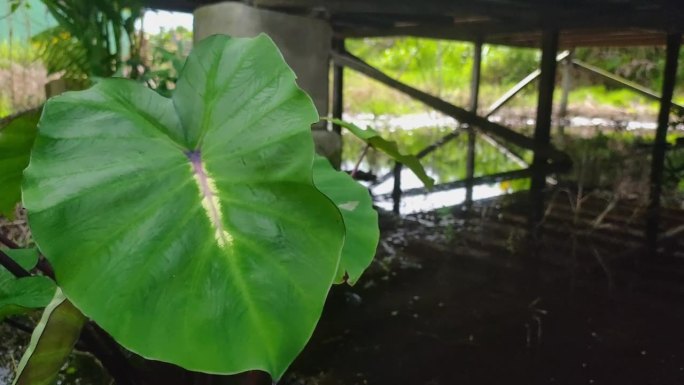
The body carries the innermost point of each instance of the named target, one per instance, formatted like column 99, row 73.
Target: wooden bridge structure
column 550, row 25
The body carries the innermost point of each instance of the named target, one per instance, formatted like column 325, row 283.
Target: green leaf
column 18, row 295
column 26, row 258
column 390, row 148
column 52, row 341
column 360, row 219
column 16, row 139
column 190, row 229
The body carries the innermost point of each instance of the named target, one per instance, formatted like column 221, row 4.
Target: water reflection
column 425, row 202
column 446, row 164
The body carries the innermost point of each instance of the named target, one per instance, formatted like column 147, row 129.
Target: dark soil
column 473, row 297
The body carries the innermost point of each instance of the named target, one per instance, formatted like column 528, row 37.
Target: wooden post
column 565, row 95
column 674, row 41
column 474, row 96
column 338, row 85
column 396, row 191
column 542, row 130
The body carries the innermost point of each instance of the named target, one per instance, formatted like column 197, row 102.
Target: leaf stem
column 358, row 162
column 13, row 267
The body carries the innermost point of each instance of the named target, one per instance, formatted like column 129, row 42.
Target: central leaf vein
column 209, row 198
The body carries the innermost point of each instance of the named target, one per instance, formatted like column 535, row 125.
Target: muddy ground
column 461, row 297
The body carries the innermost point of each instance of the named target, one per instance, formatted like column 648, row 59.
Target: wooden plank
column 449, row 109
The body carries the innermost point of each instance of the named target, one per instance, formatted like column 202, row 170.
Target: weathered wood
column 449, row 109
column 396, row 191
column 505, row 98
column 476, row 181
column 515, row 23
column 622, row 82
column 474, row 97
column 542, row 130
column 659, row 146
column 566, row 85
column 338, row 86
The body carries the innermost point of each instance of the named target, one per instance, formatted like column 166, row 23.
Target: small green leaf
column 18, row 295
column 26, row 258
column 360, row 219
column 16, row 139
column 52, row 341
column 390, row 148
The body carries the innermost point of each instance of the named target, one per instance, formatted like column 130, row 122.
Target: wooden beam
column 404, row 7
column 542, row 130
column 477, row 181
column 566, row 85
column 396, row 189
column 474, row 97
column 622, row 82
column 449, row 109
column 338, row 86
column 674, row 42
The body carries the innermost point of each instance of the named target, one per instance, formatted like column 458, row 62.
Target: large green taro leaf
column 190, row 229
column 360, row 219
column 16, row 139
column 17, row 295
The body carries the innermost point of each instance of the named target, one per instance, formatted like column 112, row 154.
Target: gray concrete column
column 305, row 42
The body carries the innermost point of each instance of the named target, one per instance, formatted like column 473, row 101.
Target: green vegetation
column 443, row 68
column 17, row 54
column 445, row 164
column 204, row 214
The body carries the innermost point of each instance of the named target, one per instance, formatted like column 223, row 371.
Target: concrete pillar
column 304, row 41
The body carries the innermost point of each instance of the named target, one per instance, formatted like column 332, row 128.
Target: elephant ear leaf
column 18, row 295
column 52, row 341
column 194, row 210
column 17, row 134
column 360, row 219
column 390, row 148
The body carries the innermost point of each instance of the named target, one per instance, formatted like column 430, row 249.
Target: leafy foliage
column 62, row 52
column 53, row 339
column 360, row 220
column 169, row 52
column 17, row 134
column 93, row 37
column 201, row 217
column 374, row 139
column 20, row 294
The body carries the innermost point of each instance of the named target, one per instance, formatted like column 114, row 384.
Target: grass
column 364, row 95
